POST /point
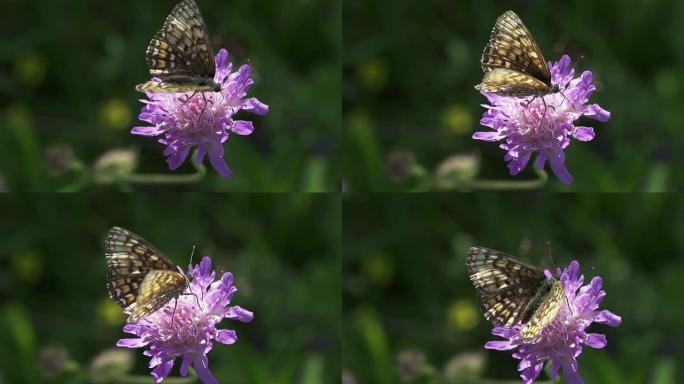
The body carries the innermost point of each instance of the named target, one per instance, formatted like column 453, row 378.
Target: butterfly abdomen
column 175, row 84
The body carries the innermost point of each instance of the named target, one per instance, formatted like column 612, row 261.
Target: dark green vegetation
column 67, row 93
column 282, row 251
column 406, row 289
column 408, row 100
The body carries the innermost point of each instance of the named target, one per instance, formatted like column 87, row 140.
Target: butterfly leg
column 188, row 99
column 525, row 104
column 173, row 314
column 541, row 121
column 205, row 104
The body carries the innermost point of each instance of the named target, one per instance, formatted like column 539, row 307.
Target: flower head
column 543, row 124
column 205, row 120
column 561, row 341
column 186, row 330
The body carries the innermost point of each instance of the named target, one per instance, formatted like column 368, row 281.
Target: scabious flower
column 183, row 125
column 561, row 341
column 524, row 131
column 189, row 333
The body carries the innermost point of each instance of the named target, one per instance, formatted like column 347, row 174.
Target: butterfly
column 180, row 54
column 139, row 277
column 514, row 292
column 512, row 62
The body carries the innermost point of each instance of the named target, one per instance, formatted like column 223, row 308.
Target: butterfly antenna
column 548, row 253
column 192, row 254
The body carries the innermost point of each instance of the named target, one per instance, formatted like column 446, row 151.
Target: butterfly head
column 554, row 88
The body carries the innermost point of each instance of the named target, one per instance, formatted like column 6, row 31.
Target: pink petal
column 226, row 336
column 584, row 133
column 596, row 340
column 131, row 343
column 243, row 127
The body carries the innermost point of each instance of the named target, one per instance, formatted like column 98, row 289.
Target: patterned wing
column 181, row 47
column 545, row 312
column 512, row 46
column 507, row 82
column 504, row 284
column 129, row 259
column 157, row 288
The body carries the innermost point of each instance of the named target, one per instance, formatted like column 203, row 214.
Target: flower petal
column 584, row 133
column 131, row 343
column 530, row 374
column 557, row 163
column 161, row 371
column 185, row 365
column 147, row 131
column 596, row 340
column 201, row 364
column 243, row 127
column 221, row 58
column 217, row 161
column 226, row 336
column 255, row 106
column 595, row 112
column 488, row 136
column 609, row 318
column 571, row 373
column 499, row 345
column 177, row 158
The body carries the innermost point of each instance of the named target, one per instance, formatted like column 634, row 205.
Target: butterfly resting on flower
column 512, row 62
column 180, row 56
column 514, row 292
column 139, row 277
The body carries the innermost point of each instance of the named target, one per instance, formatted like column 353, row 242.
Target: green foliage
column 410, row 68
column 282, row 251
column 406, row 288
column 73, row 66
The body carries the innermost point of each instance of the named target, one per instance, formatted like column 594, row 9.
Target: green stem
column 140, row 379
column 512, row 185
column 155, row 178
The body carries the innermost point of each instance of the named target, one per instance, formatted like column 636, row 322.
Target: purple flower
column 188, row 334
column 184, row 125
column 562, row 340
column 525, row 131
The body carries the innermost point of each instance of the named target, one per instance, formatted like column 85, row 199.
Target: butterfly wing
column 511, row 46
column 508, row 82
column 129, row 259
column 545, row 312
column 182, row 47
column 504, row 284
column 157, row 288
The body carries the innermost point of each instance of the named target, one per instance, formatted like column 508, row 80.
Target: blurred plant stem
column 163, row 179
column 426, row 182
column 511, row 185
column 135, row 379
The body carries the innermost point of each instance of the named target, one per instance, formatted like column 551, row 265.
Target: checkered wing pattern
column 550, row 302
column 180, row 54
column 512, row 291
column 513, row 52
column 139, row 277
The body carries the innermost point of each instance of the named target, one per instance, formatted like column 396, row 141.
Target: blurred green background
column 282, row 250
column 406, row 295
column 409, row 105
column 67, row 93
